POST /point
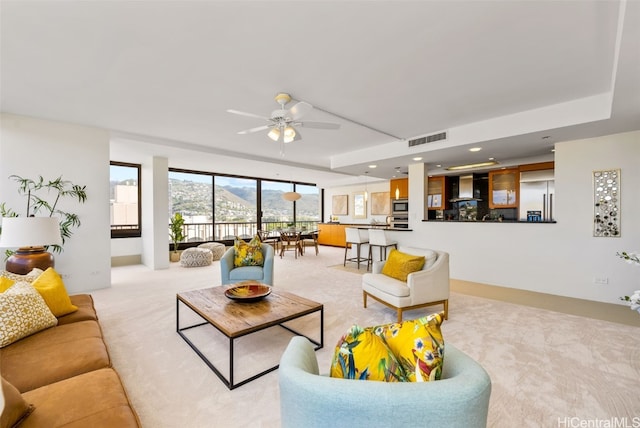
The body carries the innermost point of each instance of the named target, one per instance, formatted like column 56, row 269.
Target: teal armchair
column 460, row 399
column 231, row 275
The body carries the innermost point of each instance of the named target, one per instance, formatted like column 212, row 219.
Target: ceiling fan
column 282, row 123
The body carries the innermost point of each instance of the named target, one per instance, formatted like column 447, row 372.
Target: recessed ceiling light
column 373, row 166
column 492, row 158
column 417, row 158
column 438, row 166
column 475, row 149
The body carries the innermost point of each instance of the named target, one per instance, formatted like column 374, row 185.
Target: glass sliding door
column 236, row 208
column 220, row 207
column 276, row 212
column 308, row 207
column 191, row 194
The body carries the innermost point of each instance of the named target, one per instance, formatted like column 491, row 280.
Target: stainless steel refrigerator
column 536, row 195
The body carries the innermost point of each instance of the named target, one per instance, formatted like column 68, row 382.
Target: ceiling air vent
column 428, row 139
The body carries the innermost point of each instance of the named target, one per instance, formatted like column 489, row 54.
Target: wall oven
column 399, row 206
column 400, row 214
column 400, row 222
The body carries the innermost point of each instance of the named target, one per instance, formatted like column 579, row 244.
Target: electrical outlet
column 601, row 280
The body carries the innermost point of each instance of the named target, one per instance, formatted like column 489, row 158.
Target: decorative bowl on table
column 248, row 291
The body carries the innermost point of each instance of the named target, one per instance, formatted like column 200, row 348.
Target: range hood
column 465, row 189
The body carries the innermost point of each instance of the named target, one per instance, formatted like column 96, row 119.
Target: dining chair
column 290, row 241
column 270, row 238
column 310, row 240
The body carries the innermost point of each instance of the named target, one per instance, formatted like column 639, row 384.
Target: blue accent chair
column 231, row 274
column 460, row 399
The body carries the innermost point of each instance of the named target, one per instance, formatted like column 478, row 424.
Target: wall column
column 155, row 217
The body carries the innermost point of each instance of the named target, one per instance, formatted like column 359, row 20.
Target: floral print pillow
column 417, row 344
column 362, row 355
column 248, row 254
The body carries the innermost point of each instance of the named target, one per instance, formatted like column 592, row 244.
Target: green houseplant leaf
column 43, row 197
column 176, row 233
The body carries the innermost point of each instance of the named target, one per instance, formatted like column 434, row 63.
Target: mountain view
column 237, row 204
column 233, row 204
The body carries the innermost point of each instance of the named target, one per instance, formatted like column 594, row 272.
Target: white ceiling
column 161, row 74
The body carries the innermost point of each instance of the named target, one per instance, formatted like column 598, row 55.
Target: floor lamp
column 29, row 235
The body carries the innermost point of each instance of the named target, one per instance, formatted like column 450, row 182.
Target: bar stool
column 378, row 238
column 355, row 237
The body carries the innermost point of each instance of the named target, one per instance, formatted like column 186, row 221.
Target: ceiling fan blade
column 300, row 109
column 242, row 113
column 319, row 125
column 256, row 129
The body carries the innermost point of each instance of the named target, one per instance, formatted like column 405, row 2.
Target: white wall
column 562, row 258
column 155, row 216
column 31, row 147
column 371, row 187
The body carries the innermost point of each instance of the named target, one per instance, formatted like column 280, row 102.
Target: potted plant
column 37, row 192
column 176, row 235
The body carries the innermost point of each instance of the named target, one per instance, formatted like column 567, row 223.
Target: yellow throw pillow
column 362, row 355
column 399, row 265
column 30, row 277
column 418, row 345
column 22, row 312
column 51, row 288
column 5, row 283
column 248, row 254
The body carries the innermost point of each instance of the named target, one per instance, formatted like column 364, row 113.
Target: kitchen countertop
column 370, row 226
column 489, row 221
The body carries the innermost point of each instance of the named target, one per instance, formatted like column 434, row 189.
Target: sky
column 120, row 173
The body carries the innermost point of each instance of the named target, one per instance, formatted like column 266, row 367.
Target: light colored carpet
column 546, row 367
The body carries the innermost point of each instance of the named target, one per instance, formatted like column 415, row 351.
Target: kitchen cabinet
column 400, row 184
column 331, row 234
column 438, row 193
column 504, row 188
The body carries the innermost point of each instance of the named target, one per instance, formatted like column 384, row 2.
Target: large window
column 191, row 194
column 276, row 212
column 220, row 207
column 308, row 207
column 124, row 196
column 236, row 212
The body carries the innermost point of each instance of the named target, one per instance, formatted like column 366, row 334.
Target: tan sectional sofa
column 64, row 375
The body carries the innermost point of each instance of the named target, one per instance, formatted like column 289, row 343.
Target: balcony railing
column 205, row 232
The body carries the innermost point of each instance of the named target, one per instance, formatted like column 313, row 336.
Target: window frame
column 259, row 181
column 130, row 233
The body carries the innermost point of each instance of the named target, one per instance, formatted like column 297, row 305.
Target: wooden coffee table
column 236, row 319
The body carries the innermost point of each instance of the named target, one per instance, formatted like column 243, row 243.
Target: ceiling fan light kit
column 289, row 134
column 282, row 123
column 274, row 134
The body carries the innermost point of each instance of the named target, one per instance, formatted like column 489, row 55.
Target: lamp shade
column 291, row 196
column 30, row 232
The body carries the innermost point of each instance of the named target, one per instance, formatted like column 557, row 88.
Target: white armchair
column 426, row 287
